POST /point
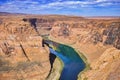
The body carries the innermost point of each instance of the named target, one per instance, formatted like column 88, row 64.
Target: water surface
column 73, row 64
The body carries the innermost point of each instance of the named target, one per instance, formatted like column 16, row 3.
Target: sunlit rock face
column 23, row 57
column 94, row 31
column 107, row 64
column 98, row 40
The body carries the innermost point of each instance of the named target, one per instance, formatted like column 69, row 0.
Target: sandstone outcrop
column 23, row 57
column 106, row 67
column 97, row 40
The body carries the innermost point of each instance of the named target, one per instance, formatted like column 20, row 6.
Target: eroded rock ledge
column 23, row 57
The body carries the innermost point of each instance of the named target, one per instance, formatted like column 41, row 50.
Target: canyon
column 23, row 57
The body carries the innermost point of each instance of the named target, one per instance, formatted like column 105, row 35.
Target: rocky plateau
column 22, row 56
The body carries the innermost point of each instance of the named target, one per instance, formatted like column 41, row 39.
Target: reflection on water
column 63, row 58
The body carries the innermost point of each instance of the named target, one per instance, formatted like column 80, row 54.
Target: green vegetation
column 61, row 68
column 87, row 65
column 56, row 71
column 62, row 47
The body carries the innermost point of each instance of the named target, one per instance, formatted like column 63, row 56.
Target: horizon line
column 59, row 14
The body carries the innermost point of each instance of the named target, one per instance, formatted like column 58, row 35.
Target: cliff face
column 113, row 35
column 106, row 67
column 22, row 56
column 96, row 31
column 98, row 40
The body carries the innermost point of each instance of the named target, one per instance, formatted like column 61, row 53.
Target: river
column 73, row 64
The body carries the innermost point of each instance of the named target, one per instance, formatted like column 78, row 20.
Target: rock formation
column 23, row 57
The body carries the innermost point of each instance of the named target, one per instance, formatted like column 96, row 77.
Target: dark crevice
column 24, row 52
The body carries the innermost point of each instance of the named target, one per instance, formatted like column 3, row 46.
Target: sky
column 63, row 7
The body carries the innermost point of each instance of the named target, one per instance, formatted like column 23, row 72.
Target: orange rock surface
column 22, row 56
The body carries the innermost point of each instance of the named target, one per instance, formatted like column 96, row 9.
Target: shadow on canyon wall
column 32, row 22
column 52, row 57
